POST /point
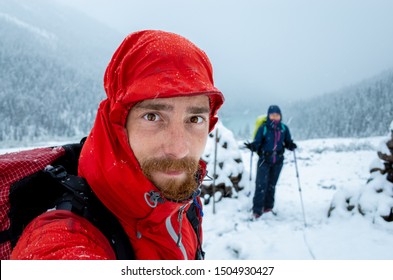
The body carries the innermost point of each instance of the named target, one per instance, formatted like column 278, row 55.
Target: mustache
column 187, row 165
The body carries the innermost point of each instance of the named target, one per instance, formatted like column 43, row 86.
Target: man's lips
column 172, row 173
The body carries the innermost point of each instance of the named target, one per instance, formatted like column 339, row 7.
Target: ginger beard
column 176, row 189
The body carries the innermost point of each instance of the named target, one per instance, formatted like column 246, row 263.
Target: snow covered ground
column 325, row 166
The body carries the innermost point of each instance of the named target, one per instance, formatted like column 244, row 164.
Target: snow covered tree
column 385, row 154
column 229, row 165
column 375, row 199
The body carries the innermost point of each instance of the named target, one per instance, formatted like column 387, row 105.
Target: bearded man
column 142, row 156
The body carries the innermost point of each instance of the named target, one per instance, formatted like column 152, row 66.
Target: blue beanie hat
column 274, row 109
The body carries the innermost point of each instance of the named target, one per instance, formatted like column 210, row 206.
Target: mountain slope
column 364, row 109
column 53, row 60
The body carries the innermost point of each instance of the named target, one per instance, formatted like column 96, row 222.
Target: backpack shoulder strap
column 283, row 127
column 80, row 199
column 192, row 216
column 264, row 130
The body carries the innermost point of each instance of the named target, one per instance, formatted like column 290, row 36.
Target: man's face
column 275, row 117
column 168, row 137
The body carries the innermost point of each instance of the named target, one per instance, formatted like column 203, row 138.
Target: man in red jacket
column 142, row 157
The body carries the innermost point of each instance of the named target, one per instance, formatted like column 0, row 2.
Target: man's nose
column 176, row 142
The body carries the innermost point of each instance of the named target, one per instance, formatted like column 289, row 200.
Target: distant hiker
column 270, row 141
column 142, row 156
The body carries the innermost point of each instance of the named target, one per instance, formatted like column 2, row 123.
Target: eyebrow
column 168, row 107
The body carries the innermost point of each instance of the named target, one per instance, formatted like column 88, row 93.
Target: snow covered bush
column 375, row 198
column 229, row 165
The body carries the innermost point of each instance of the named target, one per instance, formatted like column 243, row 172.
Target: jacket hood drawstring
column 152, row 198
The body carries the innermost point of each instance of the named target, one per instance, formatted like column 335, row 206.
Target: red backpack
column 35, row 181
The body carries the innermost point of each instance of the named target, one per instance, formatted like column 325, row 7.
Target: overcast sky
column 272, row 48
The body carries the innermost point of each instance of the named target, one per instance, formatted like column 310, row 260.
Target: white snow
column 327, row 168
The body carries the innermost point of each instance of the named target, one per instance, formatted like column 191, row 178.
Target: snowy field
column 325, row 166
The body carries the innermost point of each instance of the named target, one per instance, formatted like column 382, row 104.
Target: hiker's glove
column 292, row 146
column 248, row 145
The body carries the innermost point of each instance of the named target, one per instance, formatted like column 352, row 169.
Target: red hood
column 148, row 64
column 156, row 64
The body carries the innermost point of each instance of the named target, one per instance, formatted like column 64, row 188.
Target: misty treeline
column 51, row 71
column 51, row 82
column 360, row 110
column 43, row 99
column 42, row 96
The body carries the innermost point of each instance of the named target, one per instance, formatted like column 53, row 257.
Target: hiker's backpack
column 34, row 181
column 261, row 120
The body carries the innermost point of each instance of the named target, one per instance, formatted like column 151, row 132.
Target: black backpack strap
column 29, row 198
column 192, row 216
column 80, row 199
column 5, row 236
column 71, row 158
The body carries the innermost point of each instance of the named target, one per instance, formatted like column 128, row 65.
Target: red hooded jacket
column 148, row 64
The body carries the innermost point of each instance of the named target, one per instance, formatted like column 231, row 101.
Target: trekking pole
column 301, row 201
column 300, row 189
column 252, row 153
column 214, row 171
column 250, row 179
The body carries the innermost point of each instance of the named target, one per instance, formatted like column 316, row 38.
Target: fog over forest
column 52, row 82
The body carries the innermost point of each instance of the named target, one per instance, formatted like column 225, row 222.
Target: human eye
column 152, row 117
column 197, row 119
